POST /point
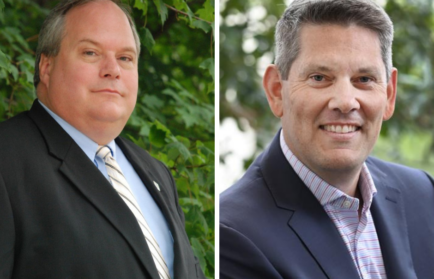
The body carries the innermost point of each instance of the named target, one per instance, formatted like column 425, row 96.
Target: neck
column 346, row 181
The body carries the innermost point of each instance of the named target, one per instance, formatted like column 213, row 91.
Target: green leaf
column 185, row 141
column 142, row 5
column 181, row 148
column 182, row 184
column 182, row 6
column 207, row 12
column 188, row 118
column 201, row 25
column 208, row 64
column 4, row 61
column 162, row 10
column 199, row 252
column 14, row 71
column 158, row 134
column 2, row 6
column 147, row 39
column 190, row 201
column 152, row 101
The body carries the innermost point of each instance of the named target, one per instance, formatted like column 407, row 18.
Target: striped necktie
column 120, row 184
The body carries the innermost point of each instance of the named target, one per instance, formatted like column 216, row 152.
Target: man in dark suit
column 314, row 204
column 77, row 201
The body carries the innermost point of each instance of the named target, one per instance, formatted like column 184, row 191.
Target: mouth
column 340, row 129
column 107, row 90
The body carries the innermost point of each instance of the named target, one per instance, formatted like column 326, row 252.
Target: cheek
column 305, row 107
column 131, row 84
column 374, row 108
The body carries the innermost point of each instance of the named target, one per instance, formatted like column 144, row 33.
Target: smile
column 340, row 129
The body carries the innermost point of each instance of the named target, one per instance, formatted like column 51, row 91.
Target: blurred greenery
column 174, row 115
column 246, row 48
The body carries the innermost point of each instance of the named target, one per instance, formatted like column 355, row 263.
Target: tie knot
column 103, row 152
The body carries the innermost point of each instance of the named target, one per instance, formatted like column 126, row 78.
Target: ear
column 391, row 95
column 272, row 84
column 45, row 67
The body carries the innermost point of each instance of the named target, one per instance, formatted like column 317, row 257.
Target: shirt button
column 347, row 204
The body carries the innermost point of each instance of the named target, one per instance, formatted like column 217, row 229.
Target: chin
column 109, row 116
column 343, row 160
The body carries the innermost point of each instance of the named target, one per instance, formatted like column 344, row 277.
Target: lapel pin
column 156, row 185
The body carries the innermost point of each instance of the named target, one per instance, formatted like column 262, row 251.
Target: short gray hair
column 363, row 13
column 52, row 30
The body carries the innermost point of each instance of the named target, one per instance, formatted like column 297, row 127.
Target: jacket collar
column 317, row 231
column 308, row 219
column 388, row 213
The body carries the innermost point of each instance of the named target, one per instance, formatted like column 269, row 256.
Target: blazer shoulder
column 250, row 196
column 19, row 125
column 409, row 179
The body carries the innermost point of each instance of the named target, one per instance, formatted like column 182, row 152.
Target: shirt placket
column 359, row 246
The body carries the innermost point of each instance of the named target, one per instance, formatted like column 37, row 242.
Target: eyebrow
column 321, row 68
column 370, row 71
column 314, row 68
column 85, row 40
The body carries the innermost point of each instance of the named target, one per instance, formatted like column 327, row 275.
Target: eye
column 89, row 53
column 317, row 78
column 126, row 59
column 365, row 79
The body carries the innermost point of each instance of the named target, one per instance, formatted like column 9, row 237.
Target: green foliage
column 174, row 115
column 246, row 45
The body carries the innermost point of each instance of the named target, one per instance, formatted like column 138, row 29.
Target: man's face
column 92, row 83
column 335, row 98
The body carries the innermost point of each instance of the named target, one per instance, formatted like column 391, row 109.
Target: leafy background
column 246, row 48
column 174, row 115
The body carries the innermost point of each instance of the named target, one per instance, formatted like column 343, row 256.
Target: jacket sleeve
column 240, row 258
column 7, row 233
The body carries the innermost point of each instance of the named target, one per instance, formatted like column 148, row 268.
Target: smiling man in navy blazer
column 314, row 204
column 60, row 214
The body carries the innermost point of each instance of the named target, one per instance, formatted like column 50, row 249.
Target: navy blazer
column 61, row 218
column 272, row 226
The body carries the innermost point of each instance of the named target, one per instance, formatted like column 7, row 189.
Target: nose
column 110, row 68
column 344, row 98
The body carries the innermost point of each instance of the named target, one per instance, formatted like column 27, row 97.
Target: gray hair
column 363, row 13
column 52, row 30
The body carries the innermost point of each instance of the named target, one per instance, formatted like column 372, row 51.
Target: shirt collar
column 326, row 193
column 88, row 146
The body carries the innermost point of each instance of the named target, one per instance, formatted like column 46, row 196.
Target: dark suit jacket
column 61, row 218
column 272, row 226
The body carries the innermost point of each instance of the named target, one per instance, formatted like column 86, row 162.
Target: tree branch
column 184, row 13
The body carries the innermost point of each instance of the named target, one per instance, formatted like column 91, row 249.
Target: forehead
column 101, row 20
column 338, row 44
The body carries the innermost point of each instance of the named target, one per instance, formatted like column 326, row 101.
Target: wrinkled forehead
column 336, row 46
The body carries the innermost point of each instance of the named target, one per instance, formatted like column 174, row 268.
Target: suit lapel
column 148, row 174
column 388, row 214
column 84, row 175
column 144, row 169
column 309, row 221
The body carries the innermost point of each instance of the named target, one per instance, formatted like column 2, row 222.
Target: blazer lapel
column 148, row 174
column 388, row 214
column 309, row 221
column 77, row 167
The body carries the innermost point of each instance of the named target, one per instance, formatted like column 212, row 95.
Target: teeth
column 340, row 129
